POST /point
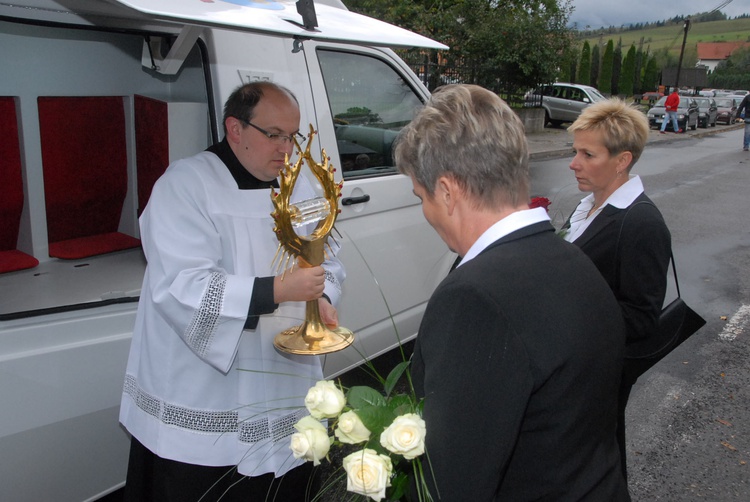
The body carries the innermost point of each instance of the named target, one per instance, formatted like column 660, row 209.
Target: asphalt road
column 689, row 417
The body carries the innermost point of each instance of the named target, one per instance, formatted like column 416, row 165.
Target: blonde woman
column 618, row 226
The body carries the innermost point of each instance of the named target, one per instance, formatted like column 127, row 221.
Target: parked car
column 563, row 102
column 722, row 93
column 737, row 98
column 707, row 112
column 727, row 110
column 651, row 97
column 687, row 113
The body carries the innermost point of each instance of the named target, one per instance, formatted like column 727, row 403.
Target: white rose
column 325, row 400
column 311, row 442
column 351, row 430
column 405, row 436
column 368, row 473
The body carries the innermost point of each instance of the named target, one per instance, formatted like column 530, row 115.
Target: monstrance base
column 297, row 340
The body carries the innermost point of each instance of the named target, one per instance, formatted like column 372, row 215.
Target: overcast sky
column 598, row 13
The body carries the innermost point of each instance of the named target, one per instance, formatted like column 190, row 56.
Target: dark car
column 708, row 112
column 687, row 113
column 727, row 108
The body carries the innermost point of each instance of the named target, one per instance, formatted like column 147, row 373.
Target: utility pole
column 682, row 53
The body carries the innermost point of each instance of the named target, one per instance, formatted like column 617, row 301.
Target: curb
column 656, row 138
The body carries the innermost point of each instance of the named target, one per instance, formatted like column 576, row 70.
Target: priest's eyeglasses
column 279, row 139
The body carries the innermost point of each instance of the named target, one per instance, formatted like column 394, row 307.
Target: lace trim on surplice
column 334, row 281
column 213, row 422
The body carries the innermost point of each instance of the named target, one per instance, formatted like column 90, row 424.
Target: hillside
column 670, row 37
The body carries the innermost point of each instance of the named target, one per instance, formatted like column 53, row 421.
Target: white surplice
column 199, row 388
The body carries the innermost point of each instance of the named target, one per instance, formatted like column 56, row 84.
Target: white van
column 96, row 99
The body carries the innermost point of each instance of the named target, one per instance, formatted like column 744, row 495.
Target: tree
column 650, row 75
column 568, row 63
column 433, row 19
column 605, row 73
column 734, row 73
column 573, row 71
column 595, row 61
column 584, row 69
column 640, row 61
column 616, row 68
column 627, row 77
column 514, row 44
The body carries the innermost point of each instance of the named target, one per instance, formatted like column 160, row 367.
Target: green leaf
column 401, row 404
column 399, row 485
column 361, row 396
column 375, row 418
column 394, row 376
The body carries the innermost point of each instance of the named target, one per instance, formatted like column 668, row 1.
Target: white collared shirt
column 510, row 223
column 620, row 198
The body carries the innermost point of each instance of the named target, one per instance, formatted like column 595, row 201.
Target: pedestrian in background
column 742, row 115
column 670, row 105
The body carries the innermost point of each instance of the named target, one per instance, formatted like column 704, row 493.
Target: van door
column 363, row 98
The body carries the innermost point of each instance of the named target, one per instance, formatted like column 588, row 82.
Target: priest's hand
column 299, row 285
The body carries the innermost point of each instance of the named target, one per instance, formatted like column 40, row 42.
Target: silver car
column 563, row 102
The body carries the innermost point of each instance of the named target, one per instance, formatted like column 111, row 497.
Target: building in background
column 710, row 54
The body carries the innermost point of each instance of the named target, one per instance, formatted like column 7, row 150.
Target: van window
column 370, row 103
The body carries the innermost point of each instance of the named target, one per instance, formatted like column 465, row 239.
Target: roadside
column 555, row 142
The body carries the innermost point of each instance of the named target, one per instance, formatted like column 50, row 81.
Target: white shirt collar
column 507, row 225
column 626, row 194
column 620, row 198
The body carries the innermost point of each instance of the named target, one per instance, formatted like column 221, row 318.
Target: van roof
column 280, row 17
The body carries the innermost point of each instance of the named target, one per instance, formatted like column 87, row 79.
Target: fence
column 434, row 74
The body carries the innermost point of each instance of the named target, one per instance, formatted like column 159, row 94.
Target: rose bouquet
column 383, row 430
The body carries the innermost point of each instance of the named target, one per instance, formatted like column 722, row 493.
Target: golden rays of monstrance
column 312, row 337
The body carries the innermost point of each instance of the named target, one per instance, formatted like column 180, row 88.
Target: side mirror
column 586, row 100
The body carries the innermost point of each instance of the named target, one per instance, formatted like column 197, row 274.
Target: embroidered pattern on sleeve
column 200, row 332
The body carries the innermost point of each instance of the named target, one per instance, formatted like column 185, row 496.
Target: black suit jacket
column 632, row 253
column 518, row 358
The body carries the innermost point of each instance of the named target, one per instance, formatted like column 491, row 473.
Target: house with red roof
column 710, row 54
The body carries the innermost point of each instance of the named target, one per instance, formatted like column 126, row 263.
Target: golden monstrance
column 312, row 337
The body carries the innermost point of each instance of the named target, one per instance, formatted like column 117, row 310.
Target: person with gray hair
column 519, row 353
column 619, row 227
